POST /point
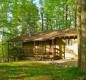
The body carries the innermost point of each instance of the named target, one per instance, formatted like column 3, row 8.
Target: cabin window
column 69, row 42
column 50, row 42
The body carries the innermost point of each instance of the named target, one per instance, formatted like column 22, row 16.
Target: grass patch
column 38, row 71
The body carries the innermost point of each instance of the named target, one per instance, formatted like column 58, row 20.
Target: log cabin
column 57, row 44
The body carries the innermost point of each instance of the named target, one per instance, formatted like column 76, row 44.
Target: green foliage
column 17, row 17
column 18, row 13
column 60, row 13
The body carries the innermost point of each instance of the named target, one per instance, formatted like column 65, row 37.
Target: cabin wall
column 28, row 48
column 71, row 48
column 27, row 45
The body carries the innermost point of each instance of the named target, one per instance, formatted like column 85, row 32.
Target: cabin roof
column 66, row 33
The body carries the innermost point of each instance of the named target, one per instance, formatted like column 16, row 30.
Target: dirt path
column 63, row 62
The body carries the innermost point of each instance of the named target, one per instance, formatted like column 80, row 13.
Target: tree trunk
column 81, row 24
column 66, row 16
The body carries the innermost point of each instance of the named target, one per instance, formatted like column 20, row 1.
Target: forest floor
column 41, row 70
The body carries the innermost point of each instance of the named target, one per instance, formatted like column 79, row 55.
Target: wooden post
column 53, row 47
column 60, row 50
column 45, row 47
column 64, row 51
column 41, row 46
column 34, row 47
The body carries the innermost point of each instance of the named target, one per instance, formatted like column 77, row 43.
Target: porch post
column 45, row 47
column 64, row 51
column 34, row 47
column 41, row 45
column 53, row 47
